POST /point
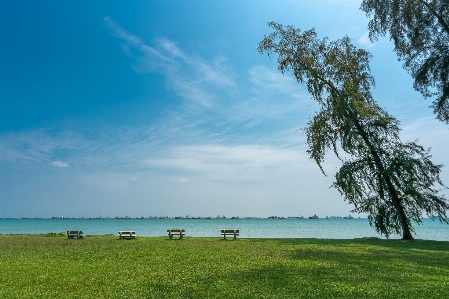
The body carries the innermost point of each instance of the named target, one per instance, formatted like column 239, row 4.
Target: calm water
column 249, row 228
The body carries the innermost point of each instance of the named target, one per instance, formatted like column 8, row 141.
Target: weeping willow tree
column 420, row 32
column 394, row 182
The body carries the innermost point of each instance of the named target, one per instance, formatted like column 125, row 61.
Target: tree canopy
column 390, row 180
column 420, row 31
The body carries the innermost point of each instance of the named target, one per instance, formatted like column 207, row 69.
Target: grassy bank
column 39, row 266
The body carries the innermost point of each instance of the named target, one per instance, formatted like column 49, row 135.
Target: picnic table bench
column 229, row 232
column 75, row 233
column 127, row 234
column 176, row 232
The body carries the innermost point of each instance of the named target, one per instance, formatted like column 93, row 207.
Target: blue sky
column 143, row 108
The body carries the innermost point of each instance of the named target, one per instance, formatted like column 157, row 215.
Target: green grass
column 50, row 266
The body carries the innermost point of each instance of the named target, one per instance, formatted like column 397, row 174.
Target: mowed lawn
column 46, row 266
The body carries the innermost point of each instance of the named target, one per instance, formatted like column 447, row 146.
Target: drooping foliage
column 390, row 180
column 412, row 175
column 420, row 31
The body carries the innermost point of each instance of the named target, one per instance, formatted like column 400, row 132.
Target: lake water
column 249, row 228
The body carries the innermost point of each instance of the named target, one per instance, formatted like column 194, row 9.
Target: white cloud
column 59, row 164
column 273, row 80
column 133, row 178
column 170, row 47
column 230, row 163
column 430, row 133
column 122, row 33
column 365, row 40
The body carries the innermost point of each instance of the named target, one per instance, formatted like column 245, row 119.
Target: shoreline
column 249, row 228
column 63, row 235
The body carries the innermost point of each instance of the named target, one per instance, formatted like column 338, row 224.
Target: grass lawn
column 46, row 266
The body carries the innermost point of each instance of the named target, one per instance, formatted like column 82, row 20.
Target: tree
column 391, row 180
column 420, row 31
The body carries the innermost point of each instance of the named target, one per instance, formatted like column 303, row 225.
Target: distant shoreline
column 161, row 218
column 338, row 228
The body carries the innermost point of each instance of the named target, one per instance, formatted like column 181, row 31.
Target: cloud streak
column 241, row 163
column 59, row 164
column 365, row 40
column 191, row 78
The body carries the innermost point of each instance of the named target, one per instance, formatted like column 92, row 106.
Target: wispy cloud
column 122, row 33
column 189, row 77
column 271, row 97
column 40, row 146
column 257, row 117
column 226, row 163
column 365, row 40
column 59, row 164
column 264, row 79
column 213, row 98
column 430, row 133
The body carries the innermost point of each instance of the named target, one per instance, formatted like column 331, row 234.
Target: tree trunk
column 406, row 234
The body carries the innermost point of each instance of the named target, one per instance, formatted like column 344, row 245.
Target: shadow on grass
column 327, row 280
column 305, row 268
column 371, row 254
column 300, row 281
column 393, row 244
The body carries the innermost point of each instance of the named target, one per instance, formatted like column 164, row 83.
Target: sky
column 165, row 108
